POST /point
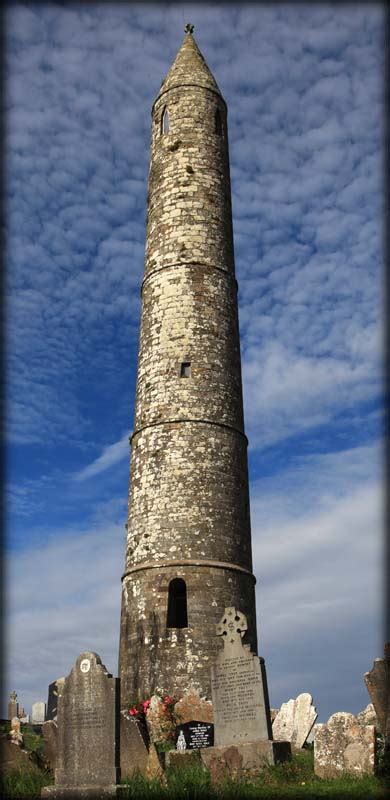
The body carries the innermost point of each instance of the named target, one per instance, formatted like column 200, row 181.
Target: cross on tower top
column 188, row 28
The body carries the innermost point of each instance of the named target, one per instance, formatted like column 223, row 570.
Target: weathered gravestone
column 343, row 745
column 295, row 720
column 50, row 742
column 88, row 732
column 194, row 735
column 137, row 752
column 13, row 706
column 378, row 686
column 38, row 712
column 240, row 706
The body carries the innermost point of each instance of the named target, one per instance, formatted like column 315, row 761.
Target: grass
column 24, row 784
column 293, row 779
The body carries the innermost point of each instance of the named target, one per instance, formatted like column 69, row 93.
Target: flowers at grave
column 158, row 713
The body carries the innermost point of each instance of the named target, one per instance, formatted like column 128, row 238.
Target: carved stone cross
column 232, row 627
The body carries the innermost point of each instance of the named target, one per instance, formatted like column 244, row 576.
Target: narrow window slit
column 177, row 604
column 185, row 369
column 165, row 121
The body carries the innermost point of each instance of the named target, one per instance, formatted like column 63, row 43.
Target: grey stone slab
column 88, row 720
column 238, row 687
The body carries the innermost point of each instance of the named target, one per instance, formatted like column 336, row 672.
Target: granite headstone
column 242, row 719
column 239, row 693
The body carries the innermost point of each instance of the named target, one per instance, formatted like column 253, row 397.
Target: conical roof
column 189, row 67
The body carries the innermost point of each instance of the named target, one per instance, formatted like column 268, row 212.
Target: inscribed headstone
column 88, row 721
column 38, row 712
column 295, row 720
column 343, row 745
column 238, row 687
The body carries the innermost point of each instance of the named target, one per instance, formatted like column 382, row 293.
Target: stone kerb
column 87, row 758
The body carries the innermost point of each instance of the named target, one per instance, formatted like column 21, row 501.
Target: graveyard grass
column 293, row 779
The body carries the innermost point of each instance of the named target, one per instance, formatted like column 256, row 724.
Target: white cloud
column 110, row 456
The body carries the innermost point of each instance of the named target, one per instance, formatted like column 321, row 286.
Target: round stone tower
column 189, row 544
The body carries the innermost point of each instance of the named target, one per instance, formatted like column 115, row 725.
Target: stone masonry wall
column 155, row 657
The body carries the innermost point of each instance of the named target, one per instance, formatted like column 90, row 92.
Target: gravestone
column 240, row 701
column 88, row 732
column 50, row 742
column 13, row 706
column 342, row 745
column 38, row 712
column 378, row 686
column 242, row 722
column 137, row 752
column 194, row 735
column 295, row 720
column 52, row 698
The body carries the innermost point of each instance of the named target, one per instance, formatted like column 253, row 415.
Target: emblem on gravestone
column 232, row 627
column 181, row 742
column 85, row 665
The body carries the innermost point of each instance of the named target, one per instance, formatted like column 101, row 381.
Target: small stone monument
column 38, row 713
column 13, row 706
column 343, row 745
column 378, row 686
column 295, row 720
column 241, row 709
column 87, row 759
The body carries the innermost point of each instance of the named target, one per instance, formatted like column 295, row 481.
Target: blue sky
column 304, row 88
